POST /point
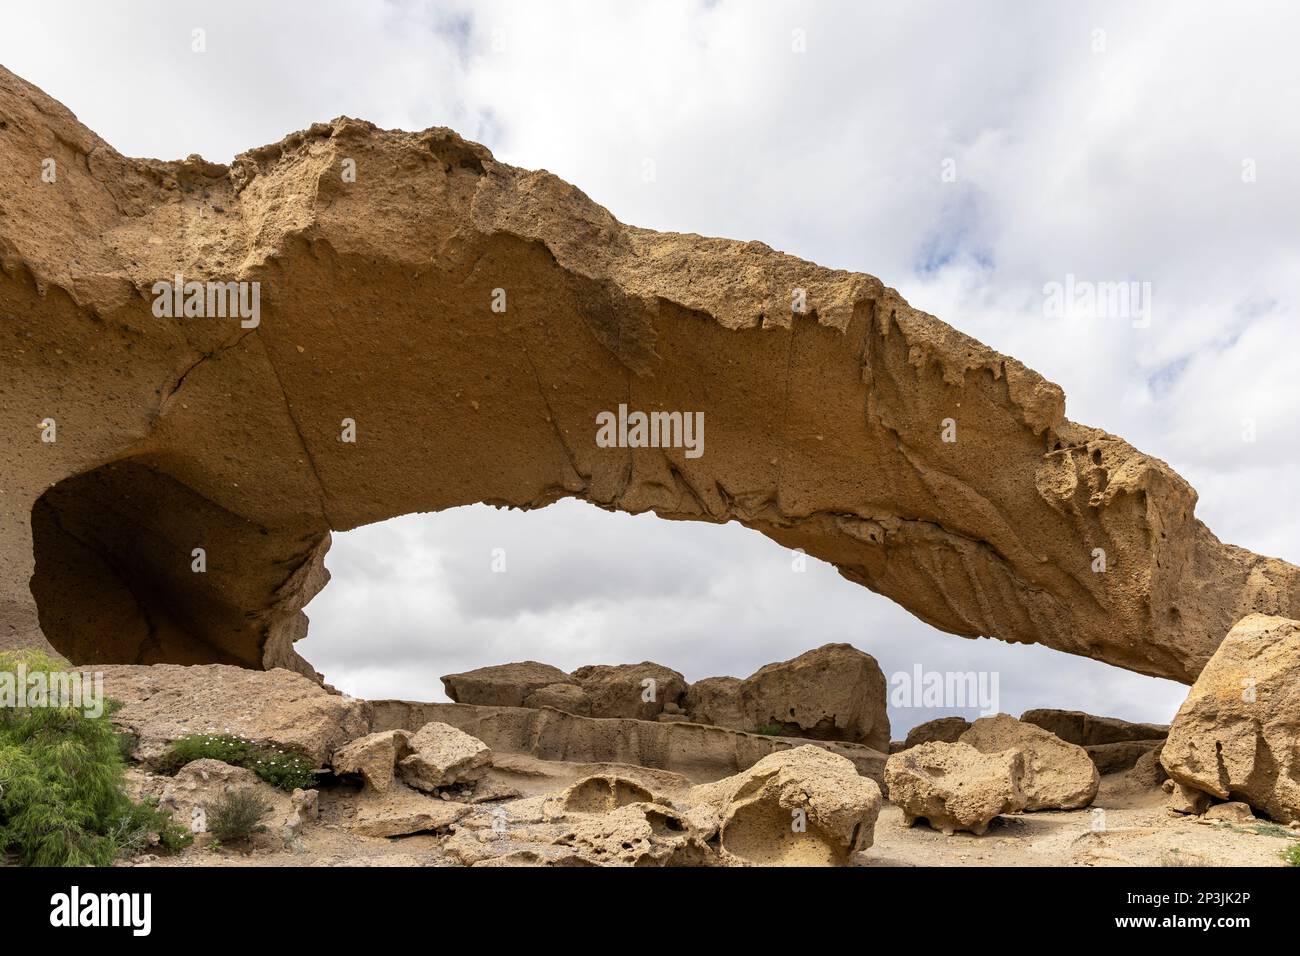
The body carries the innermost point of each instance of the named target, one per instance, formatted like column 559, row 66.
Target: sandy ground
column 1124, row 827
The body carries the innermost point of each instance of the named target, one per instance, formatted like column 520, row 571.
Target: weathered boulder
column 800, row 807
column 1235, row 735
column 441, row 756
column 954, row 786
column 639, row 691
column 1233, row 811
column 823, row 418
column 1058, row 775
column 833, row 692
column 1076, row 727
column 503, row 685
column 716, row 701
column 166, row 702
column 374, row 757
column 945, row 730
column 1183, row 800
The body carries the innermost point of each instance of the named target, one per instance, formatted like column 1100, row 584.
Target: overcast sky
column 1154, row 142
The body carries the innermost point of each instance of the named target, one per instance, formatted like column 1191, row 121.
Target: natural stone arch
column 824, row 427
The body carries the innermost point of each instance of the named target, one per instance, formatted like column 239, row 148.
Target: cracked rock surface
column 824, row 427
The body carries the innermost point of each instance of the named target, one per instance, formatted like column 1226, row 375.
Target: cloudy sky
column 968, row 154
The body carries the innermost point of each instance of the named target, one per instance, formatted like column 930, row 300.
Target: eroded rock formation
column 129, row 441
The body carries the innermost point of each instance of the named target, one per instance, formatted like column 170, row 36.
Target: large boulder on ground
column 442, row 756
column 716, row 701
column 954, row 786
column 834, row 692
column 640, row 691
column 1076, row 727
column 945, row 730
column 503, row 685
column 1235, row 737
column 799, row 807
column 373, row 757
column 1058, row 775
column 165, row 702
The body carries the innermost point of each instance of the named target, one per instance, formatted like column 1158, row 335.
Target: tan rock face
column 442, row 755
column 701, row 752
column 401, row 811
column 1235, row 737
column 1058, row 775
column 942, row 729
column 374, row 757
column 166, row 702
column 824, row 427
column 640, row 690
column 834, row 692
column 954, row 786
column 716, row 701
column 800, row 807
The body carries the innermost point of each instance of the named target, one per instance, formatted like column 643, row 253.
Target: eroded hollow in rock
column 118, row 578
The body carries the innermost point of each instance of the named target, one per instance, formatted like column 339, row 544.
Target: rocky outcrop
column 945, row 730
column 373, row 757
column 1057, row 775
column 700, row 752
column 503, row 311
column 1076, row 727
column 279, row 708
column 834, row 692
column 801, row 807
column 954, row 786
column 1235, row 736
column 503, row 685
column 716, row 701
column 641, row 691
column 440, row 756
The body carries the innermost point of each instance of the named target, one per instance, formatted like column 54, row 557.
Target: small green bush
column 237, row 816
column 61, row 785
column 770, row 730
column 1291, row 855
column 280, row 768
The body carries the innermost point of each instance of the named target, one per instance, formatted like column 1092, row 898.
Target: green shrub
column 280, row 768
column 770, row 730
column 61, row 777
column 1292, row 855
column 237, row 816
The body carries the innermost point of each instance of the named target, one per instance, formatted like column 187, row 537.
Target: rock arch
column 824, row 427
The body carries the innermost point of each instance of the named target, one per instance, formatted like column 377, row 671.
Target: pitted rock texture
column 824, row 427
column 954, row 786
column 1058, row 775
column 1237, row 736
column 833, row 692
